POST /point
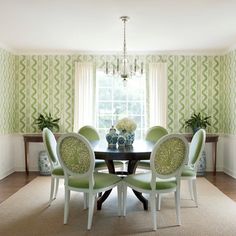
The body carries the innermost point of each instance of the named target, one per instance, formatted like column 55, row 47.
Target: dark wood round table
column 140, row 150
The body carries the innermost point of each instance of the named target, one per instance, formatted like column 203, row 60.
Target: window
column 114, row 101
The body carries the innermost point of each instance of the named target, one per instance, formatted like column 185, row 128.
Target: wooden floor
column 14, row 182
column 17, row 180
column 224, row 183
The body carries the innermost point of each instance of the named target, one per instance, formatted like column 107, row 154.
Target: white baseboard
column 22, row 169
column 218, row 169
column 230, row 172
column 6, row 173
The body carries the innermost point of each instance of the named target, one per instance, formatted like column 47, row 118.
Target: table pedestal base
column 132, row 165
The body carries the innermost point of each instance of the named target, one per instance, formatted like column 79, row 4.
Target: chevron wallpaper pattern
column 193, row 85
column 44, row 83
column 7, row 92
column 228, row 108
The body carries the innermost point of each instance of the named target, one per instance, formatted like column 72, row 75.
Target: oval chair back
column 57, row 173
column 168, row 156
column 50, row 144
column 89, row 132
column 196, row 148
column 155, row 133
column 76, row 156
column 77, row 159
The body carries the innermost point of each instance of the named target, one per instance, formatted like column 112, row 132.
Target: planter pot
column 201, row 170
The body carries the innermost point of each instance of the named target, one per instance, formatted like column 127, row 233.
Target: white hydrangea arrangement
column 126, row 124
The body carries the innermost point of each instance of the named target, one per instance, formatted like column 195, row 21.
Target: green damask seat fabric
column 78, row 161
column 196, row 147
column 143, row 180
column 57, row 173
column 166, row 163
column 188, row 171
column 101, row 181
column 91, row 134
column 50, row 143
column 153, row 135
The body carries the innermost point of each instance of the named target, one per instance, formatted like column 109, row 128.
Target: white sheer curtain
column 84, row 95
column 157, row 94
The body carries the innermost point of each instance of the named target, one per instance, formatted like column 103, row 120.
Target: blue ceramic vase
column 112, row 137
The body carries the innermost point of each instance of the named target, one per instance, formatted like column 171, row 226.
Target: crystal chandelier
column 123, row 67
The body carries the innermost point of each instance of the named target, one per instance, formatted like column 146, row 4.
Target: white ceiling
column 70, row 26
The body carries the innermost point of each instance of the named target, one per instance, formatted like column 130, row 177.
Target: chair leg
column 120, row 201
column 124, row 199
column 91, row 209
column 195, row 192
column 159, row 202
column 190, row 184
column 52, row 190
column 66, row 206
column 56, row 189
column 153, row 210
column 177, row 205
column 86, row 200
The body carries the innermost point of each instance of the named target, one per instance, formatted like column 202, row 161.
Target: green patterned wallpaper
column 229, row 88
column 44, row 84
column 193, row 85
column 7, row 112
column 31, row 84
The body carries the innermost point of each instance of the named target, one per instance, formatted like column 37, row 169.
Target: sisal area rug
column 26, row 213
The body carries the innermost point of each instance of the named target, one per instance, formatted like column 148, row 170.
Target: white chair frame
column 153, row 192
column 90, row 192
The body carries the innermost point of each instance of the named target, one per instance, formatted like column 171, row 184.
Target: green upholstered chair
column 57, row 173
column 91, row 134
column 166, row 164
column 153, row 134
column 78, row 161
column 189, row 172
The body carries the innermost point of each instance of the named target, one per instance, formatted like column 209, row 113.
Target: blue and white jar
column 121, row 140
column 112, row 137
column 44, row 164
column 129, row 138
column 201, row 169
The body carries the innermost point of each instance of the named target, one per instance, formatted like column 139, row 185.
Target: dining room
column 161, row 64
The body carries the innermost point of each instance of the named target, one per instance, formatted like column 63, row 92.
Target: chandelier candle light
column 123, row 67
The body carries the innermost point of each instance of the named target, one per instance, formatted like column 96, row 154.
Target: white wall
column 228, row 151
column 12, row 155
column 34, row 149
column 7, row 155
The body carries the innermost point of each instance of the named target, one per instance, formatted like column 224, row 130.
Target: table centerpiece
column 126, row 127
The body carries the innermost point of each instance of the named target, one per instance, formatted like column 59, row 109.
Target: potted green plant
column 197, row 121
column 47, row 121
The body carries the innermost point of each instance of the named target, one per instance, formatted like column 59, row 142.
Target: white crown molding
column 231, row 48
column 160, row 53
column 216, row 52
column 4, row 46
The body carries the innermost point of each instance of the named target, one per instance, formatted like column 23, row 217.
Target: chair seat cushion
column 188, row 171
column 58, row 171
column 102, row 164
column 144, row 163
column 102, row 180
column 143, row 180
